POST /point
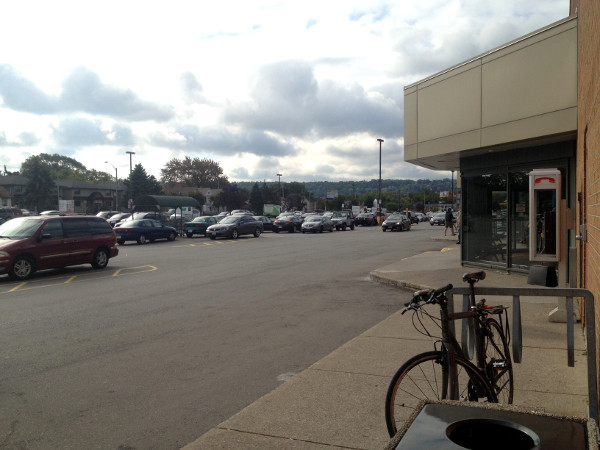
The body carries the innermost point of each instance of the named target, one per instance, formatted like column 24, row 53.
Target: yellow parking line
column 18, row 286
column 70, row 279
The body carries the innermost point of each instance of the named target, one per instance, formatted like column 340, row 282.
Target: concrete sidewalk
column 339, row 401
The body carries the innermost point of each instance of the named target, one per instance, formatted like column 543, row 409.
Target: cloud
column 191, row 89
column 26, row 139
column 83, row 91
column 287, row 99
column 20, row 94
column 74, row 132
column 222, row 141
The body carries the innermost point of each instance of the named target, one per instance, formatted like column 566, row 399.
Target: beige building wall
column 522, row 91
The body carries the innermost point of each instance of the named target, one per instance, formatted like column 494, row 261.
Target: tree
column 139, row 183
column 193, row 172
column 256, row 200
column 65, row 168
column 40, row 185
column 232, row 197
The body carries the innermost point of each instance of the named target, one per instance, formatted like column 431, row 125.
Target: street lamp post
column 117, row 186
column 280, row 187
column 130, row 166
column 379, row 199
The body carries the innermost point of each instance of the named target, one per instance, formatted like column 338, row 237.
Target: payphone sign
column 544, row 201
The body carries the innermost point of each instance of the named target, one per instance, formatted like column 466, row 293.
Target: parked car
column 34, row 243
column 396, row 222
column 266, row 221
column 162, row 218
column 235, row 226
column 413, row 217
column 121, row 217
column 198, row 225
column 287, row 222
column 144, row 230
column 422, row 217
column 105, row 214
column 186, row 213
column 241, row 211
column 6, row 213
column 52, row 212
column 341, row 219
column 317, row 224
column 438, row 219
column 366, row 219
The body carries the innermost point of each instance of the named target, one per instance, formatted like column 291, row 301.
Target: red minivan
column 34, row 243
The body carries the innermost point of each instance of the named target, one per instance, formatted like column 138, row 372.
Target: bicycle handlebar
column 426, row 296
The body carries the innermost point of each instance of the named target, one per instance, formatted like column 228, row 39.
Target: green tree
column 256, row 200
column 232, row 197
column 139, row 183
column 65, row 168
column 193, row 172
column 40, row 185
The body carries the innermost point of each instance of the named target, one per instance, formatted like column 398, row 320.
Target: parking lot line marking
column 18, row 286
column 70, row 279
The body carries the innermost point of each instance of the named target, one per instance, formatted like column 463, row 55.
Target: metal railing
column 468, row 332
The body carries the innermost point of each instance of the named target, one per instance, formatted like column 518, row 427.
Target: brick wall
column 588, row 147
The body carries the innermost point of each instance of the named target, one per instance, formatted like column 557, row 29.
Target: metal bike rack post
column 517, row 329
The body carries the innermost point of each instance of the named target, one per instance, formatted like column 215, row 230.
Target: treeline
column 350, row 189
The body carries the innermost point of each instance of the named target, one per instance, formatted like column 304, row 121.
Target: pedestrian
column 459, row 225
column 449, row 221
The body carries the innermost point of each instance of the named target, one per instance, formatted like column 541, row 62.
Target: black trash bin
column 450, row 425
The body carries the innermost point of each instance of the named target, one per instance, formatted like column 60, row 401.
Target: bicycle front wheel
column 425, row 377
column 498, row 365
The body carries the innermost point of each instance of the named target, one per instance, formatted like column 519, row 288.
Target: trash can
column 450, row 425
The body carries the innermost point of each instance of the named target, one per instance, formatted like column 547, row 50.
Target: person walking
column 449, row 221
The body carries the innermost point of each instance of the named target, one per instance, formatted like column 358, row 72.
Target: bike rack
column 468, row 331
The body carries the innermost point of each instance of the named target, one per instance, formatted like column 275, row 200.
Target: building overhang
column 521, row 94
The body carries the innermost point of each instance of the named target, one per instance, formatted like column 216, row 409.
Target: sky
column 302, row 88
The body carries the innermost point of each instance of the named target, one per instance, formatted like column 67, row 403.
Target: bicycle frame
column 451, row 348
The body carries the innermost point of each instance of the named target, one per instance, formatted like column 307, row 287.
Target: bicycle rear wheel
column 425, row 377
column 498, row 364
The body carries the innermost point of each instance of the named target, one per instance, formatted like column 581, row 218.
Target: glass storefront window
column 485, row 225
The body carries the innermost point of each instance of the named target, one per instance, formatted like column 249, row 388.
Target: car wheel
column 276, row 230
column 234, row 234
column 352, row 227
column 172, row 236
column 383, row 229
column 100, row 259
column 212, row 238
column 22, row 268
column 321, row 229
column 257, row 232
column 142, row 239
column 189, row 234
column 121, row 241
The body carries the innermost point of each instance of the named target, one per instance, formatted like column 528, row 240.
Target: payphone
column 544, row 215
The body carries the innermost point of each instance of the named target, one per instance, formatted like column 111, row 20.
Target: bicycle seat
column 472, row 277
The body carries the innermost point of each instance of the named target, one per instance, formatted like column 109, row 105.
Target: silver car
column 316, row 224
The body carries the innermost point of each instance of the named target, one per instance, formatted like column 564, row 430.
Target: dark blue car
column 143, row 231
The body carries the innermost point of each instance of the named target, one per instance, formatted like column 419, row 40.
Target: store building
column 493, row 119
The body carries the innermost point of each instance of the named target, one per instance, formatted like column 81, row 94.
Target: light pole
column 117, row 186
column 280, row 187
column 379, row 199
column 130, row 166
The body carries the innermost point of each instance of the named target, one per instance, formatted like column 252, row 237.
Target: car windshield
column 200, row 219
column 395, row 217
column 20, row 228
column 132, row 224
column 313, row 219
column 230, row 219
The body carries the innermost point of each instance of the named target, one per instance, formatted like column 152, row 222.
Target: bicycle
column 446, row 373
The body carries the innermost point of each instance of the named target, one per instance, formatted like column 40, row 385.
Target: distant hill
column 348, row 188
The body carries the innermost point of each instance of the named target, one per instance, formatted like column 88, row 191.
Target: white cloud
column 259, row 86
